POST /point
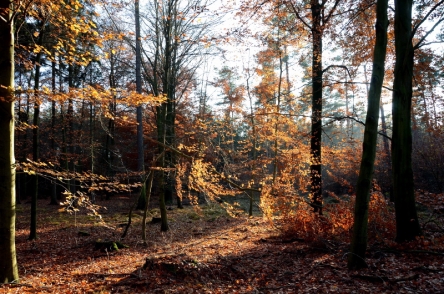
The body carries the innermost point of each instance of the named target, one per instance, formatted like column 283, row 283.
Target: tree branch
column 427, row 34
column 340, row 66
column 415, row 28
column 296, row 12
column 326, row 20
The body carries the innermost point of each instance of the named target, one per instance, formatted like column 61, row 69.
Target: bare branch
column 340, row 66
column 427, row 34
column 416, row 27
column 296, row 12
column 326, row 20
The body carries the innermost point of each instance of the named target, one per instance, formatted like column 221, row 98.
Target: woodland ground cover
column 208, row 250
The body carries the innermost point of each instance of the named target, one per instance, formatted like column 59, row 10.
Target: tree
column 172, row 51
column 407, row 224
column 140, row 150
column 232, row 96
column 8, row 266
column 319, row 18
column 35, row 134
column 359, row 238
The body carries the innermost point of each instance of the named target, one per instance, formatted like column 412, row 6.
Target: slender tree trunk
column 140, row 151
column 356, row 258
column 109, row 144
column 150, row 185
column 53, row 130
column 64, row 153
column 253, row 149
column 168, row 88
column 278, row 108
column 386, row 144
column 316, row 108
column 8, row 261
column 161, row 114
column 35, row 141
column 70, row 121
column 407, row 224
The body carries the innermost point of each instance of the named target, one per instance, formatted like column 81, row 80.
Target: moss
column 194, row 216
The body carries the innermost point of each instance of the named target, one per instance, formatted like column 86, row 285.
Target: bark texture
column 8, row 261
column 316, row 108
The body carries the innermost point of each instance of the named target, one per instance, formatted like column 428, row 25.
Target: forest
column 205, row 146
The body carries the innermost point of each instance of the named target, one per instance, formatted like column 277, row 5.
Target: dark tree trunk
column 140, row 151
column 53, row 130
column 356, row 258
column 316, row 108
column 161, row 114
column 407, row 224
column 35, row 140
column 108, row 155
column 70, row 132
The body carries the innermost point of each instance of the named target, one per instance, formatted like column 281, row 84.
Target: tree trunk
column 70, row 139
column 8, row 265
column 386, row 144
column 53, row 130
column 160, row 121
column 359, row 239
column 407, row 224
column 316, row 109
column 169, row 90
column 145, row 210
column 140, row 151
column 35, row 141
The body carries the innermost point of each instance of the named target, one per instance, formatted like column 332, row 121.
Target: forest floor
column 205, row 251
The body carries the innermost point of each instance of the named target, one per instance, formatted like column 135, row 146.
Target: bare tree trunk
column 35, row 140
column 140, row 151
column 407, row 224
column 8, row 265
column 53, row 130
column 356, row 258
column 316, row 108
column 145, row 211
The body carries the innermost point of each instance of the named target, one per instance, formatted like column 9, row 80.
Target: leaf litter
column 206, row 251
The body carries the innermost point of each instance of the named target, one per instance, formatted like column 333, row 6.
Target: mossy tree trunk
column 8, row 264
column 356, row 259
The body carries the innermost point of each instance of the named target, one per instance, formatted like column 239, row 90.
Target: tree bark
column 140, row 151
column 407, row 224
column 8, row 265
column 316, row 108
column 359, row 239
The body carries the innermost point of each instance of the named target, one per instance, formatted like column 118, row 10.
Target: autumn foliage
column 233, row 142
